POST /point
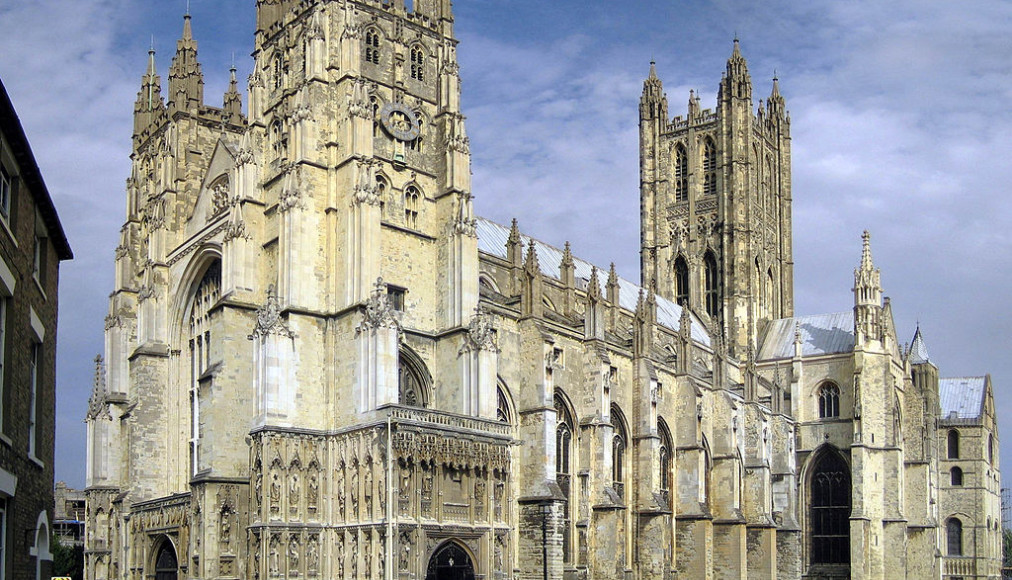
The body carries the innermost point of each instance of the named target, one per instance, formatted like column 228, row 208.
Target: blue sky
column 900, row 123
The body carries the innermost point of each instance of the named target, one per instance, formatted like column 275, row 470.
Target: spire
column 149, row 97
column 867, row 296
column 653, row 103
column 736, row 82
column 531, row 263
column 594, row 286
column 775, row 104
column 186, row 81
column 233, row 100
column 918, row 353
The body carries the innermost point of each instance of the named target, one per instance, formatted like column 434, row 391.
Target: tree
column 67, row 560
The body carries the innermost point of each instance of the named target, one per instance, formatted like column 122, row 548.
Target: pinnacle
column 918, row 352
column 866, row 260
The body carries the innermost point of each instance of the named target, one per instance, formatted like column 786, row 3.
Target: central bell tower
column 716, row 205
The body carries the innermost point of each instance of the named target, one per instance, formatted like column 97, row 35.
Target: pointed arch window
column 207, row 294
column 417, row 63
column 412, row 381
column 619, row 444
column 953, row 444
column 711, row 285
column 830, row 511
column 954, row 537
column 372, row 46
column 681, row 281
column 412, row 198
column 681, row 176
column 664, row 463
column 381, row 194
column 565, row 429
column 829, row 401
column 709, row 167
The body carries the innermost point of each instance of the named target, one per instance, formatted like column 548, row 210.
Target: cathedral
column 320, row 364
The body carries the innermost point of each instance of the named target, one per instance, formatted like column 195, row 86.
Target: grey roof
column 820, row 334
column 963, row 396
column 492, row 238
column 918, row 353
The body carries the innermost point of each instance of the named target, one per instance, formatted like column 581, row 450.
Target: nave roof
column 821, row 334
column 492, row 238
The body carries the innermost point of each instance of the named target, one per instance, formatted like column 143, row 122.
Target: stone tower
column 716, row 205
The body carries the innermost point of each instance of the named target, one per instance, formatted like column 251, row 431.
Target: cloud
column 899, row 118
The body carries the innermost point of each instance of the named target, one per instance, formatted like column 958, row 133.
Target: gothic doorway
column 450, row 562
column 166, row 565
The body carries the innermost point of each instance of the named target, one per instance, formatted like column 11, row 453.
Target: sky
column 900, row 125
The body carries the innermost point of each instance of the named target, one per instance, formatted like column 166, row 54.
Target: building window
column 619, row 444
column 6, row 189
column 829, row 401
column 709, row 168
column 206, row 296
column 565, row 427
column 3, row 539
column 417, row 64
column 4, row 301
column 372, row 46
column 712, row 293
column 411, row 203
column 664, row 477
column 953, row 441
column 395, row 295
column 956, row 476
column 681, row 176
column 381, row 194
column 34, row 359
column 954, row 537
column 39, row 258
column 830, row 512
column 412, row 380
column 681, row 281
column 990, row 448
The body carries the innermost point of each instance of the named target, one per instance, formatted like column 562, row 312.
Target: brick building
column 32, row 245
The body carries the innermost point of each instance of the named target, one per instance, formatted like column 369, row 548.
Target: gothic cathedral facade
column 319, row 363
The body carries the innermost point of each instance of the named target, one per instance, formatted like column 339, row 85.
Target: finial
column 866, row 261
column 653, row 69
column 187, row 9
column 775, row 79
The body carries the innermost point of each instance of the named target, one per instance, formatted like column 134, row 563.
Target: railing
column 442, row 419
column 960, row 566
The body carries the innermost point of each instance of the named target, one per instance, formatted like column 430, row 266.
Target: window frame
column 952, row 444
column 6, row 193
column 954, row 530
column 829, row 401
column 956, row 477
column 34, row 361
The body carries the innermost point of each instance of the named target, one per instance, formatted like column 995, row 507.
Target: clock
column 400, row 121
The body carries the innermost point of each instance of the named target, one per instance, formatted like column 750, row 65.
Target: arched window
column 278, row 71
column 381, row 194
column 416, row 143
column 768, row 293
column 990, row 448
column 413, row 379
column 664, row 477
column 279, row 140
column 681, row 281
column 770, row 185
column 712, row 293
column 709, row 167
column 829, row 401
column 417, row 63
column 372, row 46
column 207, row 294
column 681, row 173
column 956, row 476
column 565, row 428
column 954, row 537
column 504, row 408
column 619, row 444
column 411, row 204
column 830, row 511
column 953, row 441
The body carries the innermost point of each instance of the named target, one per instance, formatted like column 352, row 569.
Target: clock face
column 400, row 121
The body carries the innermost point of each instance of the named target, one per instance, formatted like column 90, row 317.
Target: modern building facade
column 32, row 245
column 320, row 364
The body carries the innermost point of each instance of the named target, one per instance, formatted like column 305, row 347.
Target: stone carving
column 269, row 321
column 481, row 333
column 479, row 498
column 341, row 494
column 275, row 555
column 293, row 555
column 294, row 492
column 367, row 485
column 427, row 489
column 313, row 555
column 367, row 555
column 97, row 403
column 379, row 313
column 353, row 556
column 275, row 492
column 339, row 549
column 313, row 493
column 254, row 555
column 406, row 547
column 219, row 198
column 354, row 488
column 366, row 191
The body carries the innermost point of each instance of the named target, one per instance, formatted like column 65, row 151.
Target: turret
column 775, row 106
column 149, row 98
column 867, row 296
column 736, row 84
column 653, row 103
column 186, row 81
